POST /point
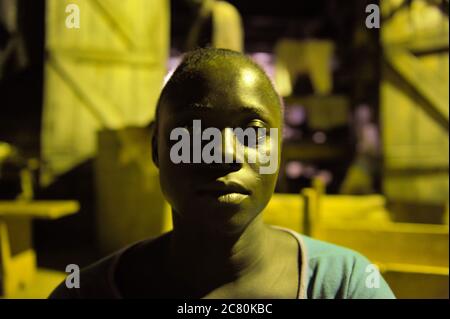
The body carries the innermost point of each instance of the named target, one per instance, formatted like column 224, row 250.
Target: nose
column 231, row 152
column 231, row 159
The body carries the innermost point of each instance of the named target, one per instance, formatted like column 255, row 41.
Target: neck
column 205, row 258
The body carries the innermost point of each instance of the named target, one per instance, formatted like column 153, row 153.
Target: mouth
column 230, row 193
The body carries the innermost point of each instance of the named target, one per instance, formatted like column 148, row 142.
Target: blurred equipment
column 365, row 167
column 414, row 109
column 317, row 136
column 310, row 57
column 217, row 24
column 17, row 174
column 13, row 55
column 130, row 205
column 18, row 271
column 107, row 76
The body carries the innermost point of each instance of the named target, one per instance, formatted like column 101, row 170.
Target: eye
column 256, row 136
column 256, row 124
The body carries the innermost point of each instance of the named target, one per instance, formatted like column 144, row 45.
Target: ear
column 154, row 140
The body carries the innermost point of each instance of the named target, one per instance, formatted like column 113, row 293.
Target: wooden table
column 17, row 256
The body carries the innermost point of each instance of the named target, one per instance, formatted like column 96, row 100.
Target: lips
column 225, row 193
column 224, row 188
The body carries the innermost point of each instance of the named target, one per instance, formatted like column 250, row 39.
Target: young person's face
column 220, row 197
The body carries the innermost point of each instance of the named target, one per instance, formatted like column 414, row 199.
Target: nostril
column 222, row 167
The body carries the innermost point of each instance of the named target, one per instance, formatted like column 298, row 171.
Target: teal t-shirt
column 335, row 272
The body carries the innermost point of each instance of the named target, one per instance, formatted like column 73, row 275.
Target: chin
column 227, row 220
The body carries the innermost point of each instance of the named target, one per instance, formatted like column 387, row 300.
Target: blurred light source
column 295, row 115
column 287, row 132
column 309, row 171
column 319, row 137
column 363, row 114
column 291, row 133
column 294, row 169
column 265, row 60
column 325, row 176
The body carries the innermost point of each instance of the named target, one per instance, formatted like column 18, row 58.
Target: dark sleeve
column 95, row 283
column 62, row 292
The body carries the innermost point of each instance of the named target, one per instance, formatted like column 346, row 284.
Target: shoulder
column 94, row 281
column 99, row 279
column 318, row 250
column 141, row 272
column 339, row 272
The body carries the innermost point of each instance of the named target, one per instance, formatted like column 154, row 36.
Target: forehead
column 225, row 88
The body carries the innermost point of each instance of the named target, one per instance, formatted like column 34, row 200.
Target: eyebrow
column 243, row 109
column 258, row 112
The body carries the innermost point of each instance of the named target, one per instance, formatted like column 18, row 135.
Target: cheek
column 263, row 188
column 171, row 177
column 268, row 182
column 264, row 182
column 264, row 161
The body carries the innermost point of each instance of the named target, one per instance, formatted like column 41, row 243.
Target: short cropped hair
column 194, row 60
